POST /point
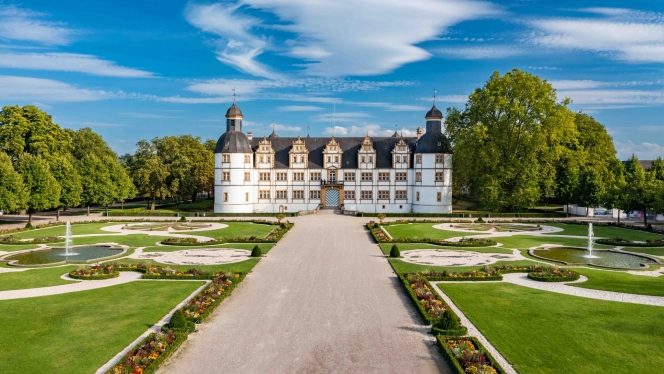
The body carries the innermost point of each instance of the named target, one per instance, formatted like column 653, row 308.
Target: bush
column 649, row 227
column 394, row 252
column 183, row 219
column 256, row 252
column 178, row 321
column 449, row 321
column 479, row 220
column 29, row 226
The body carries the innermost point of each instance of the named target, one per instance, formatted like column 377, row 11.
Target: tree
column 86, row 142
column 640, row 188
column 123, row 186
column 590, row 188
column 29, row 130
column 149, row 173
column 657, row 169
column 95, row 180
column 13, row 195
column 70, row 183
column 615, row 196
column 508, row 140
column 567, row 181
column 43, row 190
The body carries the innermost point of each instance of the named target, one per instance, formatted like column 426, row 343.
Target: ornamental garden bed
column 189, row 242
column 476, row 275
column 467, row 355
column 12, row 240
column 469, row 242
column 95, row 272
column 630, row 243
column 554, row 274
column 150, row 353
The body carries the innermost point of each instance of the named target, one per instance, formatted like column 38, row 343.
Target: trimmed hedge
column 466, row 279
column 549, row 278
column 454, row 364
column 221, row 298
column 179, row 337
column 157, row 213
column 177, row 277
column 482, row 242
column 413, row 297
column 114, row 274
column 460, row 332
column 466, row 215
column 630, row 243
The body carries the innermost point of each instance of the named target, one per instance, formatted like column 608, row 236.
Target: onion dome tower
column 233, row 140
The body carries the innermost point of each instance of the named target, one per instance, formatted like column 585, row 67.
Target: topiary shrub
column 649, row 227
column 178, row 321
column 394, row 252
column 479, row 220
column 29, row 226
column 183, row 219
column 256, row 252
column 449, row 321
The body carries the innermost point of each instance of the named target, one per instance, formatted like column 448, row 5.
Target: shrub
column 29, row 226
column 183, row 219
column 479, row 220
column 256, row 252
column 381, row 217
column 449, row 321
column 394, row 252
column 649, row 227
column 178, row 321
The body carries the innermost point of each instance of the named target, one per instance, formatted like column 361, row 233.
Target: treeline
column 43, row 166
column 516, row 143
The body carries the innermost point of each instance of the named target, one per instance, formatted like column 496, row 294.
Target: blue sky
column 134, row 70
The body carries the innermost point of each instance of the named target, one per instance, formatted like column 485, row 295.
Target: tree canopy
column 13, row 196
column 43, row 190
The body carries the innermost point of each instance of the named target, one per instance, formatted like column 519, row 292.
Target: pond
column 601, row 258
column 51, row 255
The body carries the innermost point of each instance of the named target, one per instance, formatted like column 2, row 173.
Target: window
column 247, row 159
column 282, row 195
column 264, row 176
column 439, row 177
column 226, row 176
column 298, row 194
column 418, row 159
column 384, row 177
column 269, row 159
column 349, row 195
column 314, row 194
column 247, row 177
column 298, row 176
column 370, row 159
column 366, row 195
column 367, row 177
column 439, row 197
column 246, row 196
column 262, row 158
column 401, row 177
column 336, row 158
column 263, row 194
column 400, row 195
column 397, row 159
column 364, row 159
column 225, row 158
column 440, row 159
column 282, row 176
column 329, row 158
column 225, row 197
column 418, row 177
column 315, row 176
column 349, row 177
column 383, row 195
column 417, row 196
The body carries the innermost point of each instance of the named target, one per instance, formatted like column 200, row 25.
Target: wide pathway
column 324, row 300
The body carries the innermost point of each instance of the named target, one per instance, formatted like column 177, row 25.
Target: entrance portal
column 332, row 197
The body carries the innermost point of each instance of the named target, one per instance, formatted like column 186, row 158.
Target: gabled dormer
column 401, row 155
column 366, row 156
column 332, row 155
column 264, row 154
column 298, row 154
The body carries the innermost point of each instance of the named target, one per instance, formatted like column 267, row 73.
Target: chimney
column 250, row 135
column 419, row 132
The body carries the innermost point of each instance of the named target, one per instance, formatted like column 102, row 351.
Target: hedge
column 460, row 332
column 179, row 337
column 469, row 243
column 629, row 243
column 549, row 278
column 466, row 279
column 212, row 242
column 454, row 363
column 114, row 274
column 177, row 277
column 466, row 215
column 157, row 213
column 413, row 297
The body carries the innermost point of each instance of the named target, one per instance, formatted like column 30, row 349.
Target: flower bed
column 466, row 355
column 487, row 274
column 150, row 353
column 469, row 242
column 428, row 303
column 139, row 267
column 160, row 272
column 554, row 274
column 95, row 272
column 10, row 239
column 200, row 307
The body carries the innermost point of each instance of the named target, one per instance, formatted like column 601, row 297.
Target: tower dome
column 233, row 112
column 434, row 113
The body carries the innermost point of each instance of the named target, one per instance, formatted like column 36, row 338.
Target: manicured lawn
column 604, row 231
column 542, row 332
column 18, row 247
column 621, row 282
column 406, row 267
column 527, row 241
column 649, row 251
column 410, row 246
column 78, row 332
column 236, row 229
column 76, row 229
column 265, row 247
column 34, row 278
column 132, row 240
column 238, row 267
column 422, row 230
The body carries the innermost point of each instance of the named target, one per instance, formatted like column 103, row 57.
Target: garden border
column 454, row 363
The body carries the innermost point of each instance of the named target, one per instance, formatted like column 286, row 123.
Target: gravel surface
column 324, row 300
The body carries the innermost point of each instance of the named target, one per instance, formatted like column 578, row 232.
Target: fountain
column 68, row 241
column 591, row 236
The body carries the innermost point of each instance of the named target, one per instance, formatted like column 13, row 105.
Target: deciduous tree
column 95, row 180
column 70, row 183
column 13, row 195
column 43, row 190
column 149, row 173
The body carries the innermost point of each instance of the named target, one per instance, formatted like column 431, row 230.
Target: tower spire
column 308, row 129
column 434, row 96
column 233, row 95
column 334, row 123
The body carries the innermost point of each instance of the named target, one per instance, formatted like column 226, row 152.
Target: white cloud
column 300, row 108
column 479, row 53
column 26, row 26
column 644, row 151
column 13, row 88
column 336, row 38
column 69, row 62
column 278, row 127
column 146, row 115
column 390, row 107
column 340, row 117
column 336, row 130
column 371, row 129
column 567, row 84
column 622, row 34
column 606, row 97
column 456, row 99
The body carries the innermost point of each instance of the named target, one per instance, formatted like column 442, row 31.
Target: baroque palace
column 381, row 174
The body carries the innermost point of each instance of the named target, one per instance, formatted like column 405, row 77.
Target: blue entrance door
column 332, row 197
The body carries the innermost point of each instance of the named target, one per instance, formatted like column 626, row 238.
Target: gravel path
column 323, row 301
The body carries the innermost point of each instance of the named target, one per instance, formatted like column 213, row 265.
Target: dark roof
column 434, row 113
column 432, row 142
column 233, row 111
column 395, row 135
column 645, row 164
column 233, row 142
column 273, row 135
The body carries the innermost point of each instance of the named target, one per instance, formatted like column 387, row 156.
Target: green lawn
column 78, row 332
column 527, row 241
column 265, row 247
column 604, row 231
column 406, row 267
column 422, row 230
column 236, row 229
column 410, row 246
column 34, row 278
column 77, row 229
column 132, row 240
column 18, row 247
column 621, row 282
column 238, row 267
column 648, row 251
column 542, row 332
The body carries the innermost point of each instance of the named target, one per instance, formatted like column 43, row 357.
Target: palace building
column 365, row 174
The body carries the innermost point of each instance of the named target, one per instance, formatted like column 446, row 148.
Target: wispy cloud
column 146, row 115
column 340, row 117
column 644, row 151
column 13, row 88
column 69, row 62
column 29, row 26
column 300, row 108
column 278, row 127
column 362, row 130
column 479, row 52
